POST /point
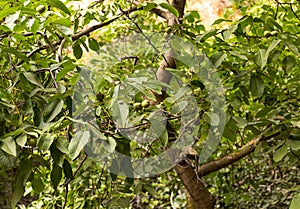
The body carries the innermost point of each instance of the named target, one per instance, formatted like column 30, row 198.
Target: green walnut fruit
column 145, row 103
column 40, row 9
column 32, row 142
column 137, row 105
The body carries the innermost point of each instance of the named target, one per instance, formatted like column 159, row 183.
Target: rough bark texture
column 201, row 197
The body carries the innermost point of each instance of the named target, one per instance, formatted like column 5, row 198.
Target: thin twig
column 54, row 79
column 98, row 26
column 143, row 34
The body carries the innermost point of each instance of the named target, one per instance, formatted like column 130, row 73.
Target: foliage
column 45, row 56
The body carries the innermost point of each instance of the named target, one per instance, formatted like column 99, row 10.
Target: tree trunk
column 201, row 197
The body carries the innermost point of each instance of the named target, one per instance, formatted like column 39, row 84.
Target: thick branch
column 232, row 157
column 201, row 197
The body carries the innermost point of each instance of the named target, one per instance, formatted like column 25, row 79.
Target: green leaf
column 218, row 21
column 58, row 4
column 141, row 88
column 261, row 58
column 150, row 190
column 21, row 140
column 45, row 142
column 110, row 144
column 62, row 144
column 295, row 202
column 288, row 64
column 67, row 169
column 214, row 119
column 257, row 85
column 280, row 153
column 7, row 11
column 56, row 110
column 293, row 144
column 148, row 6
column 57, row 155
column 272, row 46
column 157, row 127
column 296, row 123
column 237, row 54
column 183, row 91
column 120, row 113
column 126, row 166
column 124, row 202
column 77, row 51
column 293, row 48
column 9, row 146
column 179, row 107
column 20, row 180
column 170, row 8
column 227, row 33
column 56, row 175
column 79, row 140
column 93, row 44
column 33, row 79
column 17, row 53
column 38, row 185
column 208, row 34
column 218, row 58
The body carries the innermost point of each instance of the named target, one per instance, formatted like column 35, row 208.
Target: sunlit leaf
column 9, row 146
column 295, row 202
column 148, row 6
column 261, row 58
column 21, row 140
column 170, row 8
column 79, row 140
column 58, row 4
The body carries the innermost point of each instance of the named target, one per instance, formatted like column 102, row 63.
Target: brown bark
column 201, row 197
column 232, row 157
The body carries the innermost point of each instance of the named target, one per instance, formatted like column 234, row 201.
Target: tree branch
column 232, row 157
column 98, row 26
